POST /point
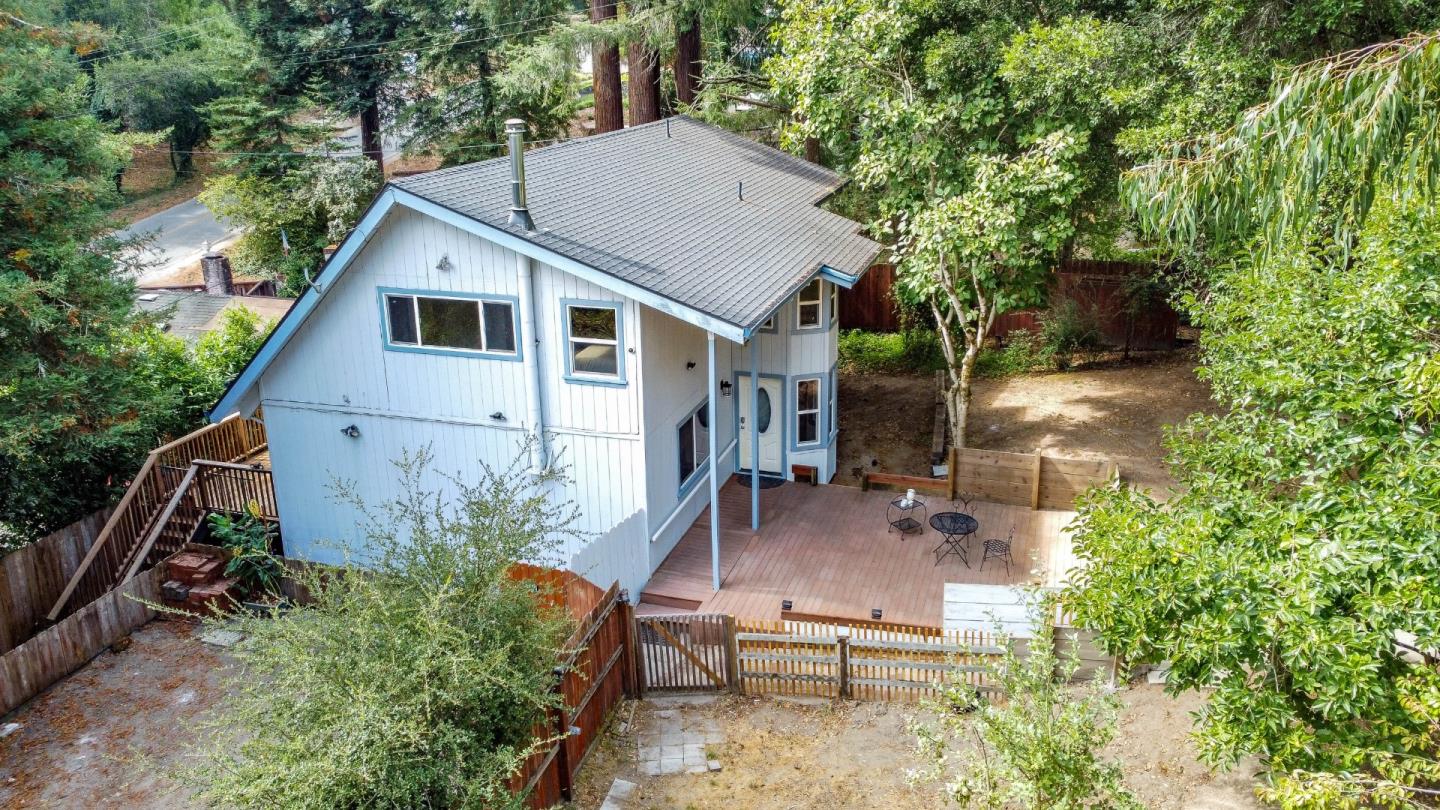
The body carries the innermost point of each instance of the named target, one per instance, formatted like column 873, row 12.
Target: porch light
column 786, row 604
column 690, row 365
column 725, row 386
column 351, row 431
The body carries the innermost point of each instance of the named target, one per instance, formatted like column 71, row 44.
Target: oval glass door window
column 762, row 411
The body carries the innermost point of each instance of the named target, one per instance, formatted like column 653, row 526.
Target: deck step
column 651, row 609
column 669, row 601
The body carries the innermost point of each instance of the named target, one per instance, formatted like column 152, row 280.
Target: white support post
column 754, row 433
column 714, row 467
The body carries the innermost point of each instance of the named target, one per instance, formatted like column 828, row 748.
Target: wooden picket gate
column 859, row 661
column 863, row 661
column 688, row 652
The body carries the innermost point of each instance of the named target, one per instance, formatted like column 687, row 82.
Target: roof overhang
column 239, row 395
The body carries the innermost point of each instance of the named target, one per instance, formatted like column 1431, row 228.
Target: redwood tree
column 605, row 73
column 687, row 58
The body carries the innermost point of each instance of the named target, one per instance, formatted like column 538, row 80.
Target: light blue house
column 657, row 303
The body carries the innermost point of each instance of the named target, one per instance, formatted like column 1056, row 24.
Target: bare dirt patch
column 780, row 755
column 1117, row 412
column 108, row 735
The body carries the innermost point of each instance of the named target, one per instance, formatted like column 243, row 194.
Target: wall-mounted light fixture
column 786, row 604
column 725, row 387
column 444, row 264
column 876, row 613
column 690, row 366
column 351, row 431
column 498, row 416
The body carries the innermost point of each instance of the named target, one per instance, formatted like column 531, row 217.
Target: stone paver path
column 677, row 744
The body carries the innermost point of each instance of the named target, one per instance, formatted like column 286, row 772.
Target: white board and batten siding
column 986, row 608
column 671, row 393
column 336, row 372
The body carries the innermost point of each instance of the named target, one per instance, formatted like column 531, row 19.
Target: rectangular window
column 834, row 303
column 443, row 322
column 832, row 412
column 694, row 435
column 807, row 308
column 807, row 410
column 594, row 335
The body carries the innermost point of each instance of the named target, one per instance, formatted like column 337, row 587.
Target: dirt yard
column 781, row 755
column 107, row 735
column 1115, row 412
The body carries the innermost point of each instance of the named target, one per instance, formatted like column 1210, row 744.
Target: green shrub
column 911, row 351
column 1068, row 328
column 248, row 540
column 1022, row 353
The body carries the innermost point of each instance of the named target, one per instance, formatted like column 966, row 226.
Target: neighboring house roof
column 660, row 206
column 189, row 315
column 652, row 212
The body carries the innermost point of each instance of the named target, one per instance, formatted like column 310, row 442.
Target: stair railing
column 111, row 557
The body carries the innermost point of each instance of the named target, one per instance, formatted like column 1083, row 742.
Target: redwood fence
column 52, row 654
column 32, row 576
column 1098, row 287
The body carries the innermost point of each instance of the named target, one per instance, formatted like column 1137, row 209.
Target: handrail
column 234, row 437
column 159, row 525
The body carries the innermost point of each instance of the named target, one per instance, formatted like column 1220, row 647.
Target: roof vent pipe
column 519, row 213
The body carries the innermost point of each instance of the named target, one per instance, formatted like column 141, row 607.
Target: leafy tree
column 987, row 250
column 1294, row 570
column 289, row 220
column 414, row 676
column 160, row 95
column 1037, row 745
column 71, row 418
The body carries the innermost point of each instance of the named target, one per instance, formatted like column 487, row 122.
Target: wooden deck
column 827, row 550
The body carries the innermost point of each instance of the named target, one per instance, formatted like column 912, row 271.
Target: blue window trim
column 793, row 414
column 698, row 474
column 832, row 414
column 517, row 355
column 784, row 470
column 617, row 381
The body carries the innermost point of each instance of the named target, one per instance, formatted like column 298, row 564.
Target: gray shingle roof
column 190, row 314
column 658, row 207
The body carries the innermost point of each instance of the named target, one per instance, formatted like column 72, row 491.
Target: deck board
column 826, row 548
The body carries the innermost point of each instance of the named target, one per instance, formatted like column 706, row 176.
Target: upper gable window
column 594, row 345
column 807, row 306
column 450, row 323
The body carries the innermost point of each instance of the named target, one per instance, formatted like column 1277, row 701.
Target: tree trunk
column 687, row 59
column 957, row 398
column 370, row 132
column 605, row 74
column 812, row 150
column 644, row 84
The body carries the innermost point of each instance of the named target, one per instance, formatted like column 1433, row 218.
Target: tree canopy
column 1294, row 568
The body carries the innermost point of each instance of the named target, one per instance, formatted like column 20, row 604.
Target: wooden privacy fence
column 598, row 671
column 32, row 576
column 63, row 648
column 1018, row 479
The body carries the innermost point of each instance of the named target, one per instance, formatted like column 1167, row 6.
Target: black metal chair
column 999, row 550
column 962, row 502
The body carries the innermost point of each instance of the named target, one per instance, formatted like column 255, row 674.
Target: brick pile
column 196, row 584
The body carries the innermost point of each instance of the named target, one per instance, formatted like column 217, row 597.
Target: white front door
column 768, row 418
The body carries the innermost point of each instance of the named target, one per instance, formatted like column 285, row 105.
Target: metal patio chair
column 997, row 549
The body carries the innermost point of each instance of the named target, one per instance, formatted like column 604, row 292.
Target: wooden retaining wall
column 32, row 577
column 1018, row 479
column 58, row 651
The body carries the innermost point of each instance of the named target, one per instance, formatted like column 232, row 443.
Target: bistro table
column 955, row 528
column 900, row 514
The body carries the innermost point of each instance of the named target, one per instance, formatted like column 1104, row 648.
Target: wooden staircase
column 179, row 483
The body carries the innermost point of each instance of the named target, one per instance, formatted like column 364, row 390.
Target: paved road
column 181, row 233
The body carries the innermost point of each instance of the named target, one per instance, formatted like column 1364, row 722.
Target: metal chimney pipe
column 519, row 213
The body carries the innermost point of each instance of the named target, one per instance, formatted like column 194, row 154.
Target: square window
column 594, row 336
